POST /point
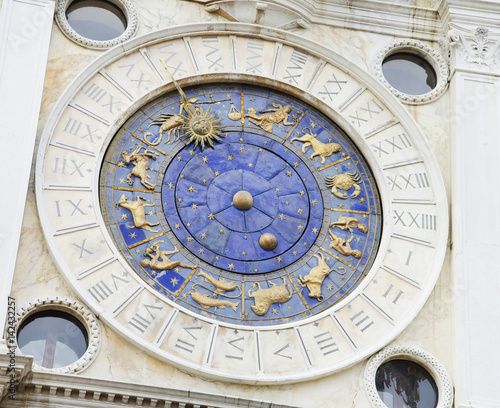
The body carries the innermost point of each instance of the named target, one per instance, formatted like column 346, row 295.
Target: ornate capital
column 474, row 50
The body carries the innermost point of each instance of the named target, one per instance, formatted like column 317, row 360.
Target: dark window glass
column 409, row 73
column 405, row 384
column 55, row 339
column 96, row 20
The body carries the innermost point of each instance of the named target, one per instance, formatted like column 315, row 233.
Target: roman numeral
column 254, row 58
column 61, row 166
column 409, row 219
column 332, row 87
column 362, row 321
column 365, row 114
column 278, row 353
column 326, row 343
column 294, row 70
column 165, row 49
column 237, row 347
column 188, row 345
column 75, row 207
column 142, row 323
column 82, row 248
column 101, row 291
column 389, row 146
column 213, row 57
column 398, row 295
column 96, row 94
column 413, row 180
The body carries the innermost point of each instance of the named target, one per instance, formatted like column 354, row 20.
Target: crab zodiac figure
column 344, row 182
column 159, row 259
column 141, row 163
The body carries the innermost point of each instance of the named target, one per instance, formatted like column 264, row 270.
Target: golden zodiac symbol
column 347, row 223
column 344, row 182
column 165, row 263
column 220, row 284
column 342, row 246
column 207, row 302
column 314, row 279
column 320, row 149
column 136, row 208
column 269, row 117
column 264, row 298
column 199, row 125
column 141, row 163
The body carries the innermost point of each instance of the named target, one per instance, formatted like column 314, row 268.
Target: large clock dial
column 274, row 215
column 276, row 221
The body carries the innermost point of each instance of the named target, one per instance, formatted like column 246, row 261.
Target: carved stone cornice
column 13, row 369
column 474, row 50
column 401, row 20
column 66, row 390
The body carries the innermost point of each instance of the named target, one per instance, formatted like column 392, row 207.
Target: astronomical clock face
column 253, row 230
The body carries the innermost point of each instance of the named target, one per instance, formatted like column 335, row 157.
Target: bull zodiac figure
column 141, row 163
column 314, row 279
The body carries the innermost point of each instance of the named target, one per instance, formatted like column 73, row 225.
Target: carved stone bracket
column 255, row 12
column 474, row 50
column 13, row 368
column 412, row 353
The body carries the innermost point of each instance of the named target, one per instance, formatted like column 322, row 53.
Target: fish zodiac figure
column 207, row 302
column 321, row 149
column 314, row 279
column 264, row 298
column 221, row 285
column 344, row 182
column 136, row 208
column 141, row 163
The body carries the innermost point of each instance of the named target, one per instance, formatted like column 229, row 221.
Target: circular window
column 409, row 73
column 96, row 19
column 413, row 71
column 97, row 24
column 403, row 383
column 55, row 339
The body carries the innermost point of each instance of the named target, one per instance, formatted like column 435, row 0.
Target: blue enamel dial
column 303, row 236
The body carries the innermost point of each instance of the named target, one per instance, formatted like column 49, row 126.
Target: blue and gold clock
column 272, row 214
column 242, row 204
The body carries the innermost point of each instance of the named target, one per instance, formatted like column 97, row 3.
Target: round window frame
column 76, row 310
column 125, row 6
column 416, row 355
column 421, row 50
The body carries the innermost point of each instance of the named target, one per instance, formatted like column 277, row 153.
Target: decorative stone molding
column 474, row 50
column 257, row 12
column 420, row 49
column 13, row 369
column 125, row 5
column 76, row 309
column 417, row 355
column 57, row 390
